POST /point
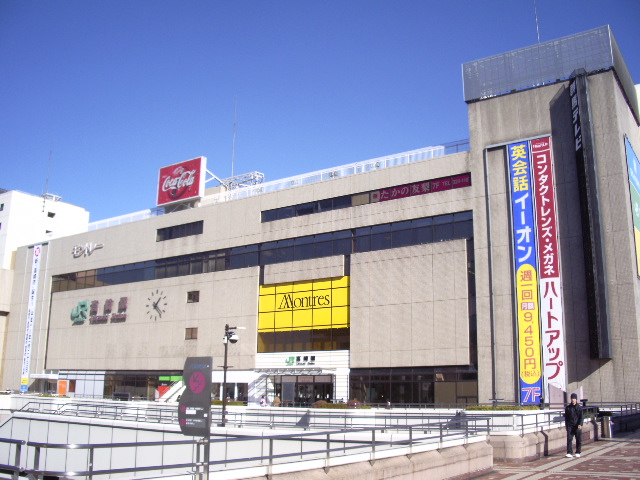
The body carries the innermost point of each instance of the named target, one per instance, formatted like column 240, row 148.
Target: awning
column 296, row 371
column 45, row 376
column 234, row 376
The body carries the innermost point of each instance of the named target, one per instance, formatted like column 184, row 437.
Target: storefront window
column 426, row 385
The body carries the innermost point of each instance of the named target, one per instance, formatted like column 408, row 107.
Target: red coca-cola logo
column 181, row 181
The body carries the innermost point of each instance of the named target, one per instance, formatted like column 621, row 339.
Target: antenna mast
column 535, row 9
column 46, row 182
column 233, row 150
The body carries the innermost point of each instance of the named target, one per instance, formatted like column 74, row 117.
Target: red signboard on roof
column 181, row 182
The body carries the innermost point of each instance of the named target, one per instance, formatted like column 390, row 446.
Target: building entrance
column 303, row 390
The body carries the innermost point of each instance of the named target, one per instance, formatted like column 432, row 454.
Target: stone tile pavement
column 607, row 459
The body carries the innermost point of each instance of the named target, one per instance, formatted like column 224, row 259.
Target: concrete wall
column 536, row 112
column 142, row 343
column 409, row 306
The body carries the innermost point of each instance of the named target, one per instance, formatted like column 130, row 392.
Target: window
column 191, row 333
column 343, row 242
column 1, row 207
column 401, row 191
column 51, row 214
column 179, row 231
column 193, row 297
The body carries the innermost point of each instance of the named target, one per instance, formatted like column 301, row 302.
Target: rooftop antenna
column 46, row 182
column 233, row 150
column 535, row 9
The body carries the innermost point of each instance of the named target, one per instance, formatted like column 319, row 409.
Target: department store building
column 506, row 269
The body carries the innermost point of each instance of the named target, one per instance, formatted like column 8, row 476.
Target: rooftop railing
column 303, row 179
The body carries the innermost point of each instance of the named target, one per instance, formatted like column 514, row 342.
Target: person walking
column 573, row 418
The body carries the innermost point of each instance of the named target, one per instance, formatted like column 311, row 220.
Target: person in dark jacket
column 573, row 418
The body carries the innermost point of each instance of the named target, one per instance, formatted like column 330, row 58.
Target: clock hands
column 156, row 305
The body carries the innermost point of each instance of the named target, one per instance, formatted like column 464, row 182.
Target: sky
column 97, row 96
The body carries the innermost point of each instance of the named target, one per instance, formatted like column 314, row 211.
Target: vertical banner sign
column 31, row 315
column 551, row 301
column 526, row 273
column 194, row 407
column 633, row 167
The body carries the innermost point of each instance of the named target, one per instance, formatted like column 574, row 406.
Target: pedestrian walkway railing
column 322, row 449
column 166, row 414
column 308, row 418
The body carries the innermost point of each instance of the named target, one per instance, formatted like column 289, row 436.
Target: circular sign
column 197, row 382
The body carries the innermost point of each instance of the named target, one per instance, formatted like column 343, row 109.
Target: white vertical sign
column 31, row 314
column 551, row 297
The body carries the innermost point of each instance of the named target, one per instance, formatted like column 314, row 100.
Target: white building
column 26, row 219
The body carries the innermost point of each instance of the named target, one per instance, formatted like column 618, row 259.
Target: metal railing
column 320, row 434
column 128, row 411
column 272, row 450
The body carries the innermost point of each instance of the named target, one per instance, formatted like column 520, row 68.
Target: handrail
column 407, row 429
column 462, row 429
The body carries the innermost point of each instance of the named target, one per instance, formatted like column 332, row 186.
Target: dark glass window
column 363, row 239
column 463, row 225
column 269, row 215
column 193, row 297
column 301, row 340
column 238, row 257
column 342, row 243
column 323, row 246
column 304, row 209
column 283, row 341
column 342, row 202
column 303, row 248
column 401, row 234
column 268, row 253
column 285, row 250
column 443, row 228
column 179, row 231
column 285, row 212
column 381, row 237
column 325, row 205
column 252, row 255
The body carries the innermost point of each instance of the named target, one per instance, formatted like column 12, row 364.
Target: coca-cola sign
column 181, row 181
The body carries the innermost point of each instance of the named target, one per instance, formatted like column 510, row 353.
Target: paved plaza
column 607, row 459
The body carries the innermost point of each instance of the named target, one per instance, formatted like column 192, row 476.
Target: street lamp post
column 229, row 336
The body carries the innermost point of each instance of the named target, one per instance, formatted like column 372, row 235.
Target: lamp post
column 229, row 336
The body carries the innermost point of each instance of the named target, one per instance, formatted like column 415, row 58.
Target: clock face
column 156, row 304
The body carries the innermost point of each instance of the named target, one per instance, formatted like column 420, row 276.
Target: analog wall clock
column 156, row 304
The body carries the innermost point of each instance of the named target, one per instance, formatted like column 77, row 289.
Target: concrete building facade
column 506, row 271
column 25, row 219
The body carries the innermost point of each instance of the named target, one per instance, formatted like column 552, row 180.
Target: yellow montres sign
column 317, row 304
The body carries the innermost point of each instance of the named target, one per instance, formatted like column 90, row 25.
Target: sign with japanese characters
column 551, row 299
column 422, row 188
column 633, row 166
column 96, row 313
column 31, row 314
column 526, row 273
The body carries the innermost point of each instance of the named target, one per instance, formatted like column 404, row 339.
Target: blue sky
column 117, row 89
